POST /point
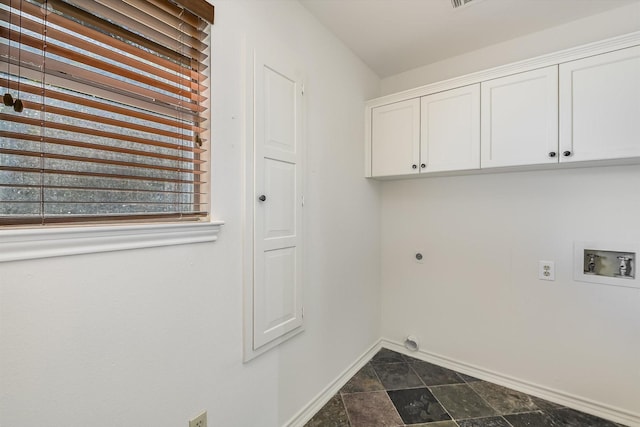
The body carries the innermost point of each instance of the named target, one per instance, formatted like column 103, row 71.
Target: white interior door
column 278, row 148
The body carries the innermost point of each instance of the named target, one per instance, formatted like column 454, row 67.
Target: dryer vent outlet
column 411, row 343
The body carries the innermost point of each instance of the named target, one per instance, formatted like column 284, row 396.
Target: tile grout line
column 387, row 391
column 489, row 404
column 362, row 392
column 410, row 362
column 500, row 412
column 468, row 384
column 440, row 403
column 346, row 411
column 434, row 396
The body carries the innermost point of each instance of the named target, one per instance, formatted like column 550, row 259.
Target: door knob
column 262, row 198
column 414, row 166
column 422, row 165
column 566, row 153
column 552, row 154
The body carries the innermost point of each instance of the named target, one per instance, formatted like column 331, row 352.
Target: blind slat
column 180, row 21
column 106, row 120
column 108, row 15
column 74, row 55
column 55, row 37
column 173, row 10
column 92, row 103
column 158, row 21
column 97, row 175
column 89, row 131
column 97, row 79
column 85, row 160
column 61, row 187
column 91, row 146
column 91, row 21
column 201, row 8
column 184, row 67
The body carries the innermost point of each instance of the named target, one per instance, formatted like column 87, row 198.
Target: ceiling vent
column 460, row 3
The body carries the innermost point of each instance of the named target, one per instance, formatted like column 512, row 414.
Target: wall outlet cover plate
column 199, row 421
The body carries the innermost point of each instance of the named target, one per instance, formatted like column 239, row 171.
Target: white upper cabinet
column 395, row 138
column 450, row 130
column 520, row 119
column 567, row 107
column 600, row 107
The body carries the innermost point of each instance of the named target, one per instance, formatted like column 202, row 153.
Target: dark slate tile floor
column 397, row 390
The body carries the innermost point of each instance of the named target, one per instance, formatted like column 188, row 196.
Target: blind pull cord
column 7, row 99
column 18, row 107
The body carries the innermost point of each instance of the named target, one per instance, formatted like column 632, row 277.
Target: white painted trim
column 23, row 244
column 566, row 399
column 306, row 413
column 251, row 353
column 251, row 50
column 247, row 203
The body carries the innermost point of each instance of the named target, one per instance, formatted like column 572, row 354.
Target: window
column 103, row 114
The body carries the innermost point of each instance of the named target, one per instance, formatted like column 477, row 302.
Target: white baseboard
column 569, row 400
column 304, row 415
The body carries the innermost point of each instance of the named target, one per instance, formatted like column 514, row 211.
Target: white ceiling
column 392, row 36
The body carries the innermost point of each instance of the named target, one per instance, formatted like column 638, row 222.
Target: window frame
column 201, row 203
column 29, row 241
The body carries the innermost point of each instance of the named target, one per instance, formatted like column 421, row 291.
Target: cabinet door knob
column 552, row 154
column 262, row 198
column 414, row 166
column 566, row 153
column 422, row 165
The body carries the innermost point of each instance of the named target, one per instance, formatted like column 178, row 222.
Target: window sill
column 26, row 244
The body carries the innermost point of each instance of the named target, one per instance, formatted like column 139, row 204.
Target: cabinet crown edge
column 554, row 58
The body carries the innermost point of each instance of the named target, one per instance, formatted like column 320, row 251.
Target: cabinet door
column 395, row 138
column 520, row 119
column 600, row 106
column 450, row 130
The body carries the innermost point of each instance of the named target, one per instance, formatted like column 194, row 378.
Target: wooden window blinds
column 103, row 113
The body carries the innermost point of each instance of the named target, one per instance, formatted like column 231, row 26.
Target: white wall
column 477, row 299
column 152, row 337
column 613, row 23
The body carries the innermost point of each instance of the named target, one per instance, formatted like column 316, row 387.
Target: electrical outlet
column 199, row 421
column 546, row 270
